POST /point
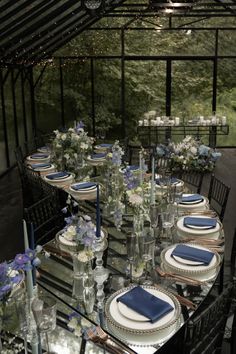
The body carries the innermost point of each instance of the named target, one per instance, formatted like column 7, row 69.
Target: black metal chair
column 46, row 217
column 133, row 154
column 192, row 179
column 205, row 331
column 218, row 196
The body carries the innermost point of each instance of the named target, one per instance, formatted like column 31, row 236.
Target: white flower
column 84, row 146
column 80, row 130
column 67, row 156
column 193, row 150
column 75, row 155
column 135, row 199
column 71, row 130
column 63, row 137
column 70, row 233
column 85, row 256
column 58, row 145
column 56, row 131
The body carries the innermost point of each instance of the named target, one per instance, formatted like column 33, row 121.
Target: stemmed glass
column 44, row 311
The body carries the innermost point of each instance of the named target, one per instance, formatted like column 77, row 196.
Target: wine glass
column 154, row 216
column 44, row 310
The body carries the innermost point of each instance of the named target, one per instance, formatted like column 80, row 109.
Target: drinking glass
column 44, row 311
column 147, row 247
column 131, row 251
column 167, row 219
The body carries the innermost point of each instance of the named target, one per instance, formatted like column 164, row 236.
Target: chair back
column 46, row 217
column 133, row 154
column 218, row 196
column 193, row 179
column 205, row 332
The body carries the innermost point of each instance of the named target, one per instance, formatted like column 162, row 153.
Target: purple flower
column 3, row 271
column 64, row 210
column 36, row 262
column 30, row 253
column 4, row 290
column 20, row 261
column 16, row 279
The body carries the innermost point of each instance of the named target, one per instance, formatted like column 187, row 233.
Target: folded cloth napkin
column 193, row 254
column 58, row 175
column 85, row 185
column 98, row 156
column 145, row 303
column 191, row 198
column 41, row 165
column 133, row 168
column 105, row 145
column 39, row 156
column 201, row 222
column 161, row 180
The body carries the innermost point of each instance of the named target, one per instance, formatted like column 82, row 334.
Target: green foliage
column 145, row 81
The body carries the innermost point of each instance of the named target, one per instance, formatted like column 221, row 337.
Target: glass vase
column 138, row 222
column 81, row 268
column 89, row 293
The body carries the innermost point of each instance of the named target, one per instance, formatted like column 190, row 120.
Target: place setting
column 97, row 159
column 38, row 157
column 142, row 315
column 191, row 260
column 198, row 226
column 60, row 179
column 192, row 202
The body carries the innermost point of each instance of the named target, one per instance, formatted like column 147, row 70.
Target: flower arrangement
column 189, row 154
column 11, row 273
column 71, row 147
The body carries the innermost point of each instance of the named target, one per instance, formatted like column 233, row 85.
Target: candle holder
column 100, row 273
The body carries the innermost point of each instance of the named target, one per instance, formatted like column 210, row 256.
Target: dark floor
column 11, row 237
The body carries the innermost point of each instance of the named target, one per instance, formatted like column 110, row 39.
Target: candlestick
column 98, row 217
column 140, row 167
column 26, row 240
column 153, row 181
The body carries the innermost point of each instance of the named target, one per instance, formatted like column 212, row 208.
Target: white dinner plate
column 131, row 314
column 187, row 261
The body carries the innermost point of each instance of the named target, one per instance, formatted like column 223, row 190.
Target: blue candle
column 98, row 217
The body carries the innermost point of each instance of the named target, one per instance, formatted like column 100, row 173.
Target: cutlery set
column 180, row 278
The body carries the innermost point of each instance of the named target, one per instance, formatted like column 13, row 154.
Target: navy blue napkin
column 173, row 180
column 105, row 145
column 192, row 198
column 39, row 156
column 98, row 156
column 201, row 222
column 193, row 254
column 145, row 303
column 85, row 185
column 40, row 165
column 58, row 175
column 133, row 168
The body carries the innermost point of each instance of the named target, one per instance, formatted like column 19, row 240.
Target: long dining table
column 56, row 277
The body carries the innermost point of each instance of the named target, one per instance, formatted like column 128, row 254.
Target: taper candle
column 98, row 216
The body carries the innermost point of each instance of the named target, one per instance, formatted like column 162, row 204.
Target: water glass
column 167, row 218
column 44, row 309
column 154, row 215
column 147, row 248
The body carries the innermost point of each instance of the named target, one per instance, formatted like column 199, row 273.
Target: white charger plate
column 197, row 231
column 130, row 323
column 201, row 272
column 83, row 191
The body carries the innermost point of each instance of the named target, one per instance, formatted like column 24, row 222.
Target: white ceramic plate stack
column 103, row 148
column 43, row 168
column 97, row 159
column 60, row 181
column 177, row 183
column 197, row 231
column 135, row 329
column 43, row 149
column 69, row 245
column 197, row 205
column 84, row 190
column 185, row 267
column 38, row 157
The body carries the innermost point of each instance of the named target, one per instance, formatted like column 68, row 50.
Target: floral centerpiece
column 189, row 154
column 71, row 147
